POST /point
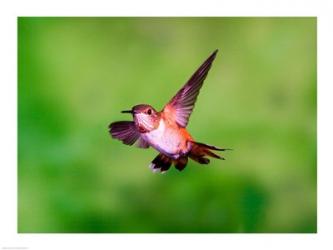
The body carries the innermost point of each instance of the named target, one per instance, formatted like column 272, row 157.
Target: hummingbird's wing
column 126, row 132
column 181, row 105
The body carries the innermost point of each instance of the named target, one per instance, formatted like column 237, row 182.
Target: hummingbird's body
column 166, row 131
column 169, row 139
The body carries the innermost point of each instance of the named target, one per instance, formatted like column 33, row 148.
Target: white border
column 8, row 138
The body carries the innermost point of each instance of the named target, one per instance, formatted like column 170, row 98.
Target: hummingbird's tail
column 199, row 152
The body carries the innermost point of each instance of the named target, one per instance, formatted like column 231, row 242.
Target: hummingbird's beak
column 127, row 111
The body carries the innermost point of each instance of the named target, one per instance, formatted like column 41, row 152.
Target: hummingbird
column 165, row 130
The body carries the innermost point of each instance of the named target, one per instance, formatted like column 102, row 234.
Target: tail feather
column 200, row 159
column 200, row 150
column 211, row 154
column 211, row 147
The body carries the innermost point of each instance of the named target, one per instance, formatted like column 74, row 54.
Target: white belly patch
column 164, row 141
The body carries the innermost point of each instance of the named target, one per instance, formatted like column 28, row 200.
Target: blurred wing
column 181, row 105
column 126, row 132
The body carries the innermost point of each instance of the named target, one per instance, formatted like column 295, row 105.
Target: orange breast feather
column 183, row 135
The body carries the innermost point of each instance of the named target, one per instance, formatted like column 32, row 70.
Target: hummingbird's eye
column 149, row 111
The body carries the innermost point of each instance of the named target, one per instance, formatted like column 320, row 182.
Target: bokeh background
column 76, row 74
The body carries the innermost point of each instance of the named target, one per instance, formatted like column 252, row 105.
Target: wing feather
column 126, row 132
column 181, row 105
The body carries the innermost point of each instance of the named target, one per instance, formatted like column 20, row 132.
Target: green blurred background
column 76, row 74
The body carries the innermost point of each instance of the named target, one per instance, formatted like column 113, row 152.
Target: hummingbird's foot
column 154, row 168
column 161, row 164
column 181, row 163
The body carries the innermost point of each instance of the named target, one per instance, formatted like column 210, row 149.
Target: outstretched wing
column 181, row 105
column 126, row 132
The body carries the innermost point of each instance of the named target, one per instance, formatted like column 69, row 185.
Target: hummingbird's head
column 146, row 118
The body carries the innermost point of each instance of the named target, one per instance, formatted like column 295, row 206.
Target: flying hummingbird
column 165, row 130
